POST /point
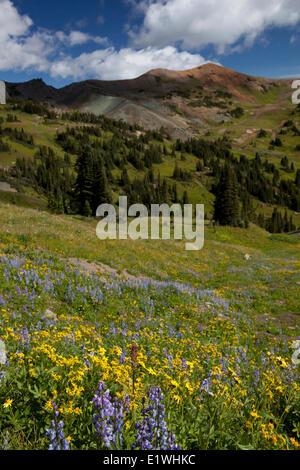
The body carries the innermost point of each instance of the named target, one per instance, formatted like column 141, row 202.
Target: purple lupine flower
column 152, row 431
column 172, row 443
column 56, row 433
column 256, row 376
column 120, row 411
column 122, row 358
column 224, row 366
column 243, row 356
column 109, row 417
column 205, row 386
column 24, row 336
column 145, row 432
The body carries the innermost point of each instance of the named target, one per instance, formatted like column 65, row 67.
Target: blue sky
column 64, row 41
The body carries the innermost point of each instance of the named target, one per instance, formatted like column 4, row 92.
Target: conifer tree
column 176, row 172
column 83, row 185
column 87, row 211
column 185, row 199
column 227, row 210
column 101, row 191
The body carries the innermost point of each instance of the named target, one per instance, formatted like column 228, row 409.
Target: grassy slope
column 271, row 274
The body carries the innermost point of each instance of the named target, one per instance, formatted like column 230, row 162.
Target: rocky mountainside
column 184, row 102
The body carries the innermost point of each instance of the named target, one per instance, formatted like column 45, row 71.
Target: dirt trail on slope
column 98, row 267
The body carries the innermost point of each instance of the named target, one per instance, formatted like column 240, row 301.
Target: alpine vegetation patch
column 154, row 225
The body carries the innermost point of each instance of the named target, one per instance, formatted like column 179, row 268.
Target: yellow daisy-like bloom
column 174, row 383
column 294, row 442
column 282, row 361
column 178, row 399
column 48, row 405
column 7, row 404
column 32, row 372
column 274, row 439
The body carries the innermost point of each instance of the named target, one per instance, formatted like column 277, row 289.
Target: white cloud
column 75, row 38
column 198, row 23
column 110, row 64
column 23, row 49
column 20, row 50
column 11, row 22
column 17, row 50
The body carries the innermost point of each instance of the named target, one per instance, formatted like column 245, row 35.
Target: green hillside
column 150, row 166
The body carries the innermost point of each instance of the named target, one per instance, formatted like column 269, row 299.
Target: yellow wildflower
column 7, row 404
column 255, row 415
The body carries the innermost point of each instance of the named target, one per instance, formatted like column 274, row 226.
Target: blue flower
column 109, row 417
column 152, row 431
column 56, row 433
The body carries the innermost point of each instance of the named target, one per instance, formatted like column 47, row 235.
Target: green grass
column 23, row 199
column 270, row 96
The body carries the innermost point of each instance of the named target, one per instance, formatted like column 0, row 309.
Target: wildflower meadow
column 107, row 360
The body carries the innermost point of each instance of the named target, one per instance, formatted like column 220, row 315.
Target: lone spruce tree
column 84, row 180
column 101, row 191
column 227, row 207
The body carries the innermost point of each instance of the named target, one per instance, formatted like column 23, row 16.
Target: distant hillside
column 183, row 102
